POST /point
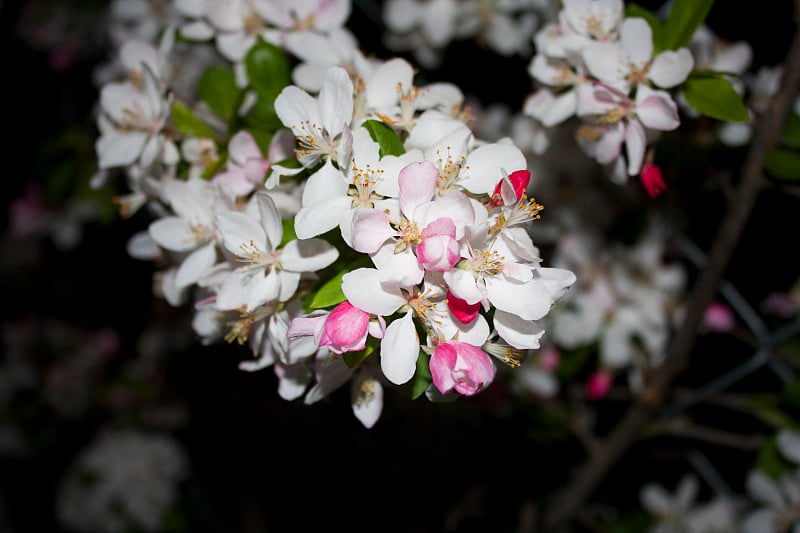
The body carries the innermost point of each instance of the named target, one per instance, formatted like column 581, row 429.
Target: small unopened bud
column 652, row 179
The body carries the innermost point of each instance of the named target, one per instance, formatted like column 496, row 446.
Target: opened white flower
column 269, row 272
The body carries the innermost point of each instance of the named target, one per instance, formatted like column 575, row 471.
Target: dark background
column 259, row 463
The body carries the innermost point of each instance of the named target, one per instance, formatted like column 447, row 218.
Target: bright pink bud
column 598, row 384
column 519, row 180
column 460, row 366
column 719, row 318
column 345, row 329
column 653, row 180
column 464, row 312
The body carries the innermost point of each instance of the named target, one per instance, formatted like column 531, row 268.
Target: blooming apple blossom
column 269, row 272
column 321, row 124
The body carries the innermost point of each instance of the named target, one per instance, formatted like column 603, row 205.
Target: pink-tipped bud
column 719, row 318
column 519, row 180
column 345, row 329
column 461, row 367
column 598, row 385
column 464, row 312
column 652, row 179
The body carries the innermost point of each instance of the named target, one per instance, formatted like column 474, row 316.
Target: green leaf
column 791, row 131
column 268, row 69
column 422, row 377
column 657, row 27
column 685, row 16
column 329, row 294
column 353, row 359
column 187, row 123
column 386, row 137
column 262, row 115
column 783, row 164
column 716, row 98
column 288, row 232
column 217, row 88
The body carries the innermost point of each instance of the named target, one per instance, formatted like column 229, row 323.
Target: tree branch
column 630, row 428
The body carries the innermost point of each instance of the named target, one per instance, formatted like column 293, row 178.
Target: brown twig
column 611, row 448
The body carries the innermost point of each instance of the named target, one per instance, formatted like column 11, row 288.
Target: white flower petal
column 336, row 100
column 196, row 265
column 400, row 350
column 519, row 333
column 320, row 217
column 173, row 233
column 366, row 399
column 308, row 255
column 364, row 289
column 670, row 69
column 241, row 233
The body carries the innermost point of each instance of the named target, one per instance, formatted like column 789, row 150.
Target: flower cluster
column 599, row 65
column 349, row 226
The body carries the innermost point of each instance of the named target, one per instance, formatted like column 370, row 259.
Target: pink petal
column 463, row 311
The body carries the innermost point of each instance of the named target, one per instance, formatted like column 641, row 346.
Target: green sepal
column 716, row 98
column 217, row 88
column 353, row 359
column 783, row 164
column 268, row 69
column 187, row 123
column 656, row 26
column 685, row 16
column 387, row 139
column 422, row 377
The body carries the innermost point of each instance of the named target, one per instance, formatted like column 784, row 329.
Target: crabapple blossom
column 629, row 62
column 269, row 272
column 321, row 124
column 461, row 367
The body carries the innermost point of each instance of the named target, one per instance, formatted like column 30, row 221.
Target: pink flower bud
column 652, row 179
column 460, row 366
column 438, row 251
column 598, row 384
column 519, row 180
column 345, row 329
column 464, row 312
column 719, row 318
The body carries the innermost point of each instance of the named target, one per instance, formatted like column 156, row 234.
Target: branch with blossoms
column 348, row 227
column 622, row 72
